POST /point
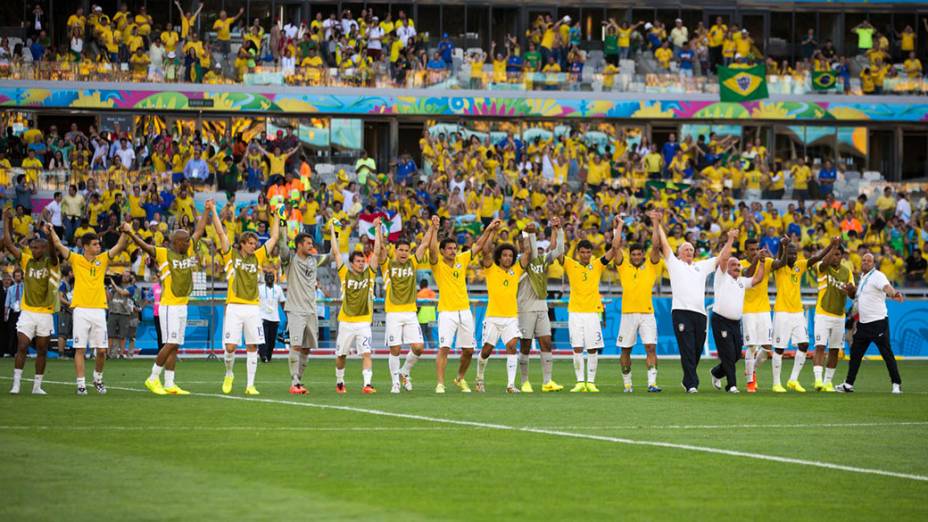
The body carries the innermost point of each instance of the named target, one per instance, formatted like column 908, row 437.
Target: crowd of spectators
column 372, row 46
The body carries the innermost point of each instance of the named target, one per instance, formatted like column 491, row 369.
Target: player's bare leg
column 22, row 348
column 625, row 361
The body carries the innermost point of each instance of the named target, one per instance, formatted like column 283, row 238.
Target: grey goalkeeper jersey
column 530, row 297
column 301, row 280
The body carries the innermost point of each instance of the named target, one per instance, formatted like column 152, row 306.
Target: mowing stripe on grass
column 25, row 427
column 552, row 432
column 738, row 426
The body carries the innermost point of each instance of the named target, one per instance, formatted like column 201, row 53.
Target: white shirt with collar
column 688, row 283
column 871, row 299
column 729, row 294
column 270, row 299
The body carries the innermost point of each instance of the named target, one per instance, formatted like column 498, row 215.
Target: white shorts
column 789, row 326
column 634, row 325
column 242, row 319
column 829, row 331
column 496, row 328
column 402, row 328
column 173, row 321
column 90, row 328
column 35, row 324
column 585, row 331
column 353, row 338
column 458, row 325
column 757, row 329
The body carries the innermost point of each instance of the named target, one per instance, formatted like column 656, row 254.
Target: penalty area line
column 555, row 433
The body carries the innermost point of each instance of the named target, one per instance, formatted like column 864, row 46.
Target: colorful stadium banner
column 824, row 80
column 743, row 84
column 361, row 102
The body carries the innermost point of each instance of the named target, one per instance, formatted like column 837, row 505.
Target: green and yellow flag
column 824, row 80
column 742, row 84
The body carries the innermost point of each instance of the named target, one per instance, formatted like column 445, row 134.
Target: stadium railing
column 382, row 77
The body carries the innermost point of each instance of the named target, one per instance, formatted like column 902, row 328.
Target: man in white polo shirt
column 873, row 324
column 688, row 307
column 730, row 286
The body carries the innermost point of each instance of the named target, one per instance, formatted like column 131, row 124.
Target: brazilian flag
column 824, row 80
column 737, row 84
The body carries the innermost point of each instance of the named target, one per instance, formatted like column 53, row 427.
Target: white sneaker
column 407, row 382
column 733, row 389
column 38, row 391
column 14, row 390
column 395, row 388
column 897, row 389
column 716, row 383
column 844, row 388
column 692, row 390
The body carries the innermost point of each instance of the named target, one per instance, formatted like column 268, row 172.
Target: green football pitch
column 131, row 455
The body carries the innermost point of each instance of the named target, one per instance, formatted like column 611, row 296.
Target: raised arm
column 334, row 251
column 433, row 245
column 725, row 254
column 616, row 251
column 426, row 242
column 275, row 235
column 56, row 242
column 489, row 231
column 292, row 151
column 224, row 245
column 201, row 221
column 126, row 229
column 376, row 256
column 8, row 234
column 655, row 255
column 486, row 252
column 780, row 260
column 120, row 245
column 558, row 241
column 817, row 257
column 528, row 245
column 759, row 261
column 662, row 236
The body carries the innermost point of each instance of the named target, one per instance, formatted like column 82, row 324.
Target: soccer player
column 533, row 305
column 455, row 320
column 302, row 268
column 789, row 321
column 357, row 310
column 41, row 275
column 502, row 316
column 835, row 285
column 89, row 302
column 585, row 307
column 756, row 323
column 175, row 270
column 402, row 324
column 242, row 316
column 638, row 275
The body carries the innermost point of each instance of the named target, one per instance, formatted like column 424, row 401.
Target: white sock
column 251, row 365
column 339, row 376
column 652, row 376
column 368, row 374
column 81, row 382
column 230, row 362
column 592, row 364
column 155, row 372
column 512, row 363
column 578, row 366
column 547, row 365
column 168, row 378
column 749, row 364
column 777, row 364
column 481, row 367
column 37, row 383
column 304, row 358
column 293, row 361
column 627, row 378
column 829, row 374
column 798, row 363
column 411, row 360
column 17, row 376
column 759, row 357
column 817, row 371
column 97, row 376
column 393, row 361
column 523, row 366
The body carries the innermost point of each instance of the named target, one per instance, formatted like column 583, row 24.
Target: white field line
column 225, row 428
column 554, row 433
column 740, row 426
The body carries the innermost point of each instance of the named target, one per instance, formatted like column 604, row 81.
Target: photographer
column 120, row 313
column 271, row 296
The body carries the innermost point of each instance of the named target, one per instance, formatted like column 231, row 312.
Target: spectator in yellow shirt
column 223, row 28
column 913, row 66
column 663, row 55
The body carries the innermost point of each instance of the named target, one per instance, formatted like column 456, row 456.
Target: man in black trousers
column 688, row 309
column 729, row 286
column 873, row 324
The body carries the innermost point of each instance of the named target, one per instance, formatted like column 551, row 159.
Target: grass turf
column 134, row 455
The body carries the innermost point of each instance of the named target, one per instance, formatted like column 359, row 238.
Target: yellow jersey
column 502, row 288
column 176, row 274
column 242, row 275
column 584, row 285
column 89, row 288
column 399, row 283
column 452, row 283
column 223, row 29
column 357, row 295
column 756, row 300
column 638, row 285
